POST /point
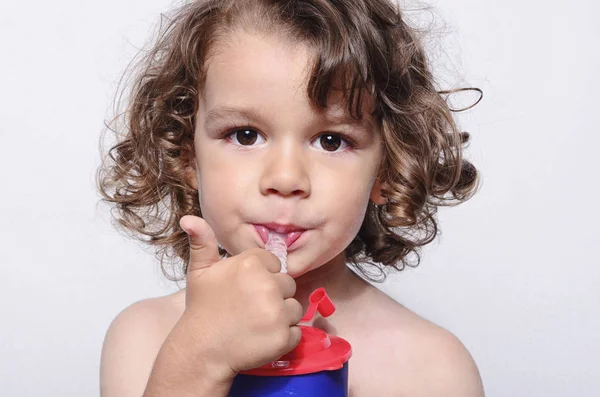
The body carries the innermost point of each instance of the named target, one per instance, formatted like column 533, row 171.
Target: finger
column 272, row 262
column 204, row 249
column 295, row 335
column 294, row 311
column 286, row 284
column 267, row 259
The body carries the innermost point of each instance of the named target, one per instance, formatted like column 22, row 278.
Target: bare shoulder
column 416, row 356
column 133, row 341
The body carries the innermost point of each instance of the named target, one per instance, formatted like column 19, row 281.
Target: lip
column 280, row 228
column 292, row 232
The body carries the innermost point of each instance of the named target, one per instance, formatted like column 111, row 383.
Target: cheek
column 349, row 210
column 353, row 217
column 216, row 195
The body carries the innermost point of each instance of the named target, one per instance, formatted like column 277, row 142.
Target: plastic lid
column 317, row 350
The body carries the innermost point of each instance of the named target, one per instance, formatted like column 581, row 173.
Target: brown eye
column 330, row 142
column 245, row 137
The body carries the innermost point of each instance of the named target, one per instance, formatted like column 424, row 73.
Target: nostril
column 297, row 192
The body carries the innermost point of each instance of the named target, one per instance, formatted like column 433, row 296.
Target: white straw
column 276, row 246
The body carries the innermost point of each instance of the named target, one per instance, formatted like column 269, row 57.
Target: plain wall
column 514, row 274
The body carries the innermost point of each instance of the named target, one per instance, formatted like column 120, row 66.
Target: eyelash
column 349, row 141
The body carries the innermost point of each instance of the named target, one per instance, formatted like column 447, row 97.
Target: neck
column 341, row 284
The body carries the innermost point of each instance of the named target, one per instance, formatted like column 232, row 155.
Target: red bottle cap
column 317, row 350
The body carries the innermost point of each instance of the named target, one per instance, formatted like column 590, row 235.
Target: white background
column 514, row 275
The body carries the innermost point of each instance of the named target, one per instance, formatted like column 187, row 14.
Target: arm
column 169, row 376
column 450, row 370
column 232, row 306
column 130, row 347
column 135, row 362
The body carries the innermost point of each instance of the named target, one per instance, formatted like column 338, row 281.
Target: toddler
column 315, row 119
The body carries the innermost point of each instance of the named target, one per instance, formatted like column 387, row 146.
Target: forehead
column 265, row 70
column 242, row 63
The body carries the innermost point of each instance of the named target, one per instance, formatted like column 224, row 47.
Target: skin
column 292, row 171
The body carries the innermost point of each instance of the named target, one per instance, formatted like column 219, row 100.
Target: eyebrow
column 227, row 111
column 220, row 112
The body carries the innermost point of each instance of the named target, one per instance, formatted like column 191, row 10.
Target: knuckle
column 281, row 338
column 250, row 264
column 295, row 310
column 295, row 335
column 292, row 284
column 253, row 253
column 269, row 288
column 264, row 323
column 299, row 309
column 270, row 315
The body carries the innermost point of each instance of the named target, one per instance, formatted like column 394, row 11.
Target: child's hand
column 240, row 312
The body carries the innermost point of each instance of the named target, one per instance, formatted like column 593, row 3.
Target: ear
column 190, row 175
column 376, row 196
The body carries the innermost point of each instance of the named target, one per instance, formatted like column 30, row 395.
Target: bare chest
column 371, row 373
column 383, row 363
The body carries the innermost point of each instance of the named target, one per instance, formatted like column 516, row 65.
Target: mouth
column 292, row 232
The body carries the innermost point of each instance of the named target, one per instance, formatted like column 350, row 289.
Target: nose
column 286, row 171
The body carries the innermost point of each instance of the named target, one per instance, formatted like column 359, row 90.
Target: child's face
column 282, row 165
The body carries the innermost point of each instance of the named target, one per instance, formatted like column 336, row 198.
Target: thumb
column 204, row 249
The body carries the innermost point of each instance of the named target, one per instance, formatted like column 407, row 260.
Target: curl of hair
column 364, row 44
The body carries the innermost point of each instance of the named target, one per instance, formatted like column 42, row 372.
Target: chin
column 295, row 273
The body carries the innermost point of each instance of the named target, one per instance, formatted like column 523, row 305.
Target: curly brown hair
column 365, row 44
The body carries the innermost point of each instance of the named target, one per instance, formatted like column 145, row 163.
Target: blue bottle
column 317, row 367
